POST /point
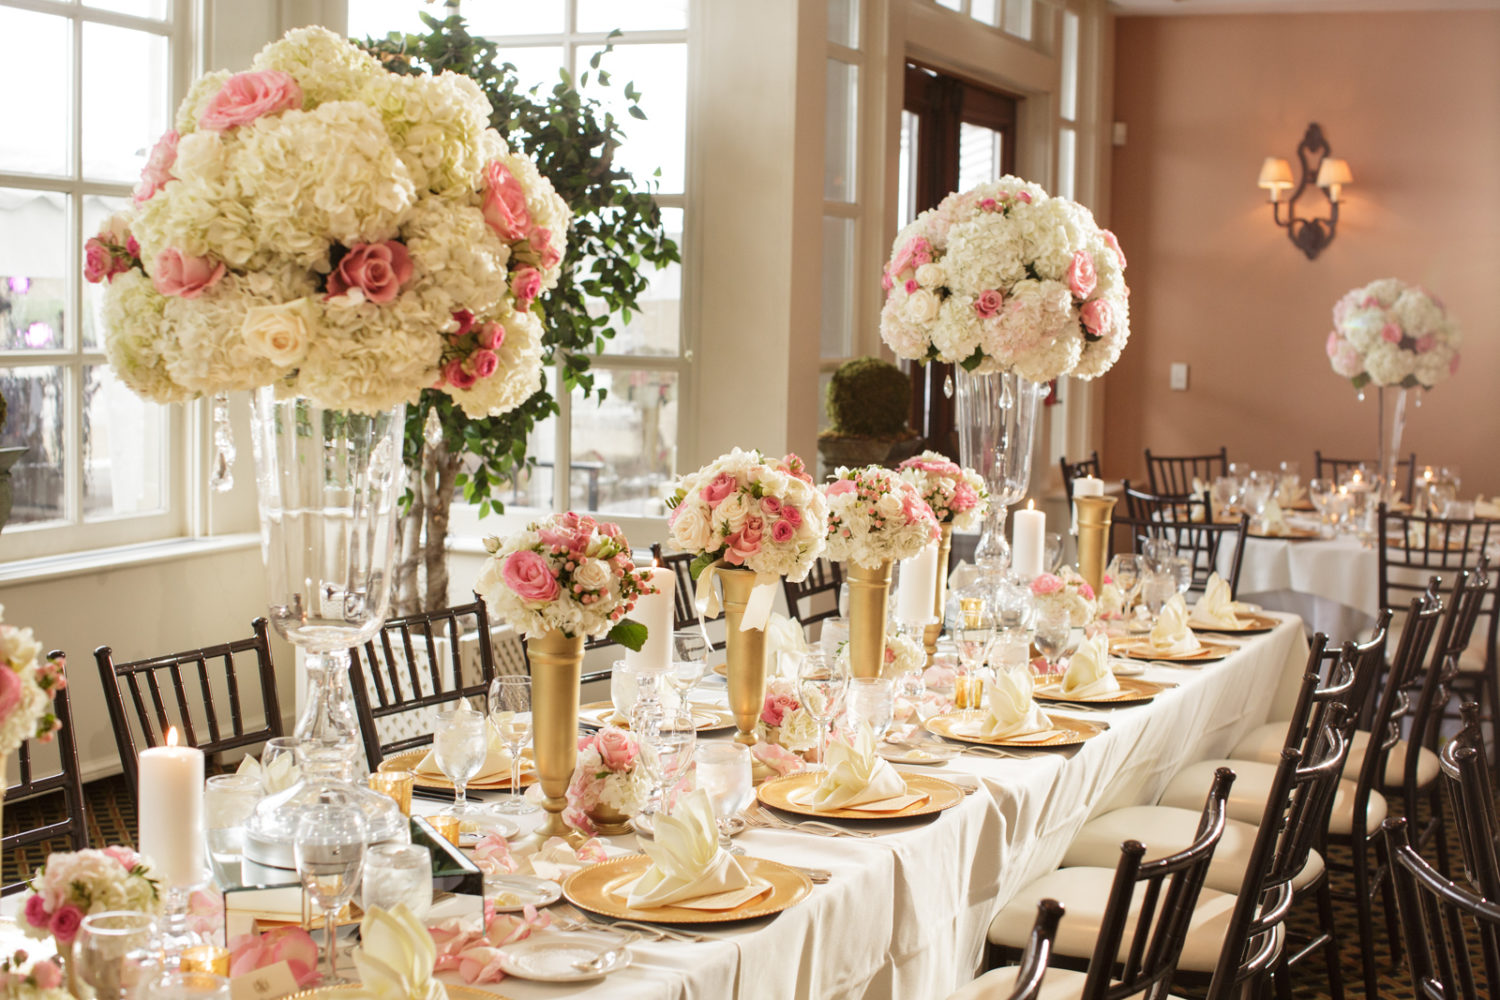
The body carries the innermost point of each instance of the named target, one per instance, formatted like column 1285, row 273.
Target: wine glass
column 869, row 701
column 460, row 743
column 114, row 952
column 1321, row 491
column 330, row 856
column 510, row 715
column 1182, row 569
column 1156, row 590
column 690, row 649
column 1224, row 494
column 724, row 773
column 670, row 751
column 228, row 801
column 1052, row 551
column 1158, row 554
column 1054, row 636
column 1125, row 571
column 821, row 684
column 277, row 747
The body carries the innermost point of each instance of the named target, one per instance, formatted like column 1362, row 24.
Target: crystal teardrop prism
column 222, row 478
column 432, row 429
column 1007, row 398
column 1361, row 395
column 948, row 385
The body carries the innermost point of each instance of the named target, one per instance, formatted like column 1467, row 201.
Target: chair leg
column 1331, row 947
column 1362, row 906
column 1435, row 807
column 1491, row 685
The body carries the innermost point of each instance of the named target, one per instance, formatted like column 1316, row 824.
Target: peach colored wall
column 1412, row 101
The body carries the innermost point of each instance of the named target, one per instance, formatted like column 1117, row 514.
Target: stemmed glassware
column 724, row 773
column 1054, row 637
column 1052, row 551
column 1157, row 589
column 670, row 750
column 1125, row 571
column 278, row 747
column 690, row 649
column 1322, row 492
column 821, row 683
column 1182, row 569
column 330, row 856
column 510, row 715
column 115, row 954
column 460, row 743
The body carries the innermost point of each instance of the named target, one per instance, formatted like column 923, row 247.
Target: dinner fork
column 767, row 821
column 592, row 922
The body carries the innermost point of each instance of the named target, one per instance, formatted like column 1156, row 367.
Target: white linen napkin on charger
column 1215, row 609
column 1089, row 675
column 1272, row 520
column 1170, row 636
column 281, row 773
column 1010, row 711
column 1290, row 491
column 403, row 970
column 856, row 776
column 687, row 862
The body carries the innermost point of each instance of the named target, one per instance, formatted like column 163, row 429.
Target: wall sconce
column 1318, row 170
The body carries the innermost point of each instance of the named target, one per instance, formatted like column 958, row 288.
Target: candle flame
column 1031, row 505
column 172, row 738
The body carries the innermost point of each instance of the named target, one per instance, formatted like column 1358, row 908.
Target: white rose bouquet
column 340, row 231
column 72, row 885
column 1005, row 278
column 567, row 572
column 1068, row 592
column 28, row 683
column 956, row 495
column 875, row 515
column 1392, row 333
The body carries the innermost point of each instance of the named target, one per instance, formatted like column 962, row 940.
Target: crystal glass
column 1054, row 636
column 1157, row 589
column 1052, row 551
column 115, row 953
column 834, row 635
column 669, row 751
column 510, row 715
column 973, row 636
column 1322, row 492
column 996, row 416
column 821, row 684
column 328, row 483
column 690, row 649
column 285, row 746
column 1224, row 494
column 869, row 701
column 1182, row 569
column 398, row 873
column 330, row 851
column 460, row 743
column 1157, row 554
column 622, row 692
column 189, row 986
column 724, row 773
column 1012, row 651
column 228, row 802
column 1125, row 570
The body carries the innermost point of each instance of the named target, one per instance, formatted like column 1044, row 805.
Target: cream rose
column 930, row 275
column 732, row 511
column 592, row 574
column 889, row 506
column 922, row 306
column 281, row 333
column 692, row 527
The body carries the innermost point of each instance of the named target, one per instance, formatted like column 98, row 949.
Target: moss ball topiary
column 868, row 397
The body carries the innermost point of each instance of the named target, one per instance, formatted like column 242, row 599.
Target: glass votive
column 228, row 801
column 206, row 958
column 447, row 827
column 868, row 700
column 395, row 784
column 190, row 986
column 398, row 873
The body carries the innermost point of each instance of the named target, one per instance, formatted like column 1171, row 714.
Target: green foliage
column 616, row 233
column 629, row 633
column 868, row 397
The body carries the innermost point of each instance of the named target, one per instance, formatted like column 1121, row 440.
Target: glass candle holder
column 397, row 785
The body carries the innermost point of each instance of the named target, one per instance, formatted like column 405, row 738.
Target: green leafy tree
column 616, row 233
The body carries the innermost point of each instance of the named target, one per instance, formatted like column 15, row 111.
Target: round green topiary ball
column 868, row 397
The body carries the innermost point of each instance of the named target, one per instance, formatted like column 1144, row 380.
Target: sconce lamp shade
column 1276, row 173
column 1334, row 172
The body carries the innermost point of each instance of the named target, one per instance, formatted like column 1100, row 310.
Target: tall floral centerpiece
column 337, row 238
column 959, row 499
column 1389, row 333
column 28, row 683
column 874, row 517
column 1016, row 288
column 749, row 521
column 560, row 581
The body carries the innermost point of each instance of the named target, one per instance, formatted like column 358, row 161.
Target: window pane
column 535, row 65
column 632, row 15
column 906, row 180
column 625, row 448
column 1068, row 99
column 1018, row 18
column 838, row 287
column 33, row 269
column 35, row 137
column 493, row 18
column 532, row 489
column 843, row 22
column 978, row 155
column 37, row 403
column 841, row 141
column 987, row 11
column 951, row 4
column 378, row 18
column 123, row 113
column 124, row 448
column 823, row 422
column 1067, row 151
column 139, row 8
column 659, row 72
column 96, row 209
column 655, row 328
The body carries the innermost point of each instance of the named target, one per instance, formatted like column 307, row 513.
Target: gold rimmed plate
column 407, row 760
column 1067, row 732
column 1140, row 649
column 1290, row 535
column 455, row 992
column 1132, row 690
column 602, row 889
column 602, row 713
column 936, row 793
column 1250, row 624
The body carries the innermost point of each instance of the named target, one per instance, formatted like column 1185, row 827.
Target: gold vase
column 746, row 654
column 931, row 633
column 1094, row 517
column 556, row 670
column 867, row 606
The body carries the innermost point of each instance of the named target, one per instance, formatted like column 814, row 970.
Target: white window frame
column 853, row 209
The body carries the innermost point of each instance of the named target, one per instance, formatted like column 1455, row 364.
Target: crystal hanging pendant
column 948, row 385
column 1361, row 395
column 1419, row 399
column 1007, row 398
column 222, row 478
column 432, row 429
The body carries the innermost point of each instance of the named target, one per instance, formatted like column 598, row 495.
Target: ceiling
column 1142, row 7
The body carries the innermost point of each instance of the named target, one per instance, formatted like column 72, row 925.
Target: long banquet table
column 905, row 914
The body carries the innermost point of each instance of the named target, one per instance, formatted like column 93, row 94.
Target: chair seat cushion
column 1471, row 660
column 1252, row 783
column 1166, row 830
column 1265, row 742
column 998, row 984
column 1084, row 892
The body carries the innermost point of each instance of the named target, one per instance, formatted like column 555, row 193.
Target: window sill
column 122, row 557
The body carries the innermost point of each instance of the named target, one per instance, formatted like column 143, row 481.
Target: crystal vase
column 996, row 417
column 1389, row 452
column 328, row 483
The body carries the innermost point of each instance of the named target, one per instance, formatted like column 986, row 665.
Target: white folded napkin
column 1196, row 511
column 1487, row 508
column 687, row 861
column 784, row 635
column 282, row 773
column 1215, row 609
column 1272, row 520
column 1088, row 673
column 856, row 775
column 496, row 766
column 1010, row 711
column 1170, row 636
column 403, row 970
column 1290, row 491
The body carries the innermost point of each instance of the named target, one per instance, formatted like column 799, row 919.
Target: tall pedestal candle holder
column 745, row 654
column 868, row 590
column 1095, row 514
column 556, row 671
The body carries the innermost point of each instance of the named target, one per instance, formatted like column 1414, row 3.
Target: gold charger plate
column 1073, row 731
column 941, row 795
column 455, row 992
column 1132, row 648
column 594, row 889
column 407, row 760
column 1291, row 535
column 1251, row 625
column 1132, row 689
column 708, row 717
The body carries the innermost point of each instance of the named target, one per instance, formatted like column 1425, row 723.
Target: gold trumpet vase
column 745, row 654
column 1094, row 517
column 867, row 606
column 556, row 671
column 931, row 633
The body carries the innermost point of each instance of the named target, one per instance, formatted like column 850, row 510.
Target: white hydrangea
column 1391, row 333
column 327, row 67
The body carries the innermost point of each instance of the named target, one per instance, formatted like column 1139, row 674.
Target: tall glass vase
column 1389, row 452
column 328, row 484
column 996, row 426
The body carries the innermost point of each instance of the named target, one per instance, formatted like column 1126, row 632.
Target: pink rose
column 1098, row 317
column 456, row 375
column 98, row 262
column 770, row 505
column 526, row 285
column 783, row 531
column 465, row 323
column 10, row 692
column 247, row 96
column 541, row 242
column 1081, row 275
column 47, row 975
column 616, row 749
column 1453, row 365
column 376, row 269
column 1390, row 333
column 964, row 498
column 1114, row 244
column 1426, row 342
column 714, row 493
column 504, row 204
column 774, row 711
column 65, row 921
column 127, row 858
column 36, row 907
column 485, row 363
column 839, row 487
column 1085, row 591
column 988, row 303
column 741, row 546
column 1047, row 583
column 777, row 758
column 1024, row 197
column 291, row 945
column 184, row 276
column 491, row 336
column 792, row 516
column 528, row 574
column 754, row 528
column 158, row 168
column 915, row 508
column 1331, row 346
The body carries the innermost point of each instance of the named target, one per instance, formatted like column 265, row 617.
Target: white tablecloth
column 1332, row 584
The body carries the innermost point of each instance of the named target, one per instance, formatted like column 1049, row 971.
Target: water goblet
column 1125, row 571
column 1052, row 551
column 669, row 752
column 869, row 701
column 690, row 649
column 1322, row 491
column 974, row 638
column 398, row 873
column 228, row 801
column 1158, row 554
column 1224, row 494
column 821, row 684
column 1182, row 570
column 330, row 857
column 1156, row 590
column 460, row 743
column 277, row 747
column 115, row 953
column 724, row 773
column 510, row 715
column 1054, row 637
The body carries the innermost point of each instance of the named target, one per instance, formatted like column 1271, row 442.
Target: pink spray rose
column 1114, row 244
column 988, row 303
column 465, row 323
column 839, row 487
column 1331, row 345
column 456, row 375
column 65, row 923
column 792, row 516
column 98, row 262
column 964, row 498
column 1046, row 584
column 774, row 711
column 783, row 531
column 714, row 493
column 541, row 242
column 184, row 276
column 530, row 577
column 770, row 505
column 616, row 749
column 1081, row 275
column 126, row 857
column 504, row 204
column 1390, row 333
column 47, row 975
column 247, row 96
column 491, row 336
column 1426, row 342
column 484, row 363
column 526, row 285
column 376, row 269
column 158, row 168
column 1098, row 318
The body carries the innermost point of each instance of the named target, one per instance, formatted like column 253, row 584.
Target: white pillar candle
column 916, row 592
column 1028, row 542
column 655, row 612
column 171, row 812
column 1087, row 486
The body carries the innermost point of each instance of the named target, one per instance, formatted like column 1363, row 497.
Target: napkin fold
column 403, row 970
column 1089, row 675
column 282, row 772
column 856, row 774
column 1196, row 511
column 1009, row 709
column 1215, row 609
column 1170, row 636
column 1487, row 508
column 1291, row 492
column 687, row 862
column 496, row 766
column 1272, row 520
column 784, row 635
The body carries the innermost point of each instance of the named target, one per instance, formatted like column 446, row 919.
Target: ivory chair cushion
column 1264, row 744
column 1252, row 783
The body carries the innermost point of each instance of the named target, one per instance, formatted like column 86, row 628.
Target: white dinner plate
column 513, row 893
column 928, row 753
column 1127, row 668
column 473, row 830
column 548, row 956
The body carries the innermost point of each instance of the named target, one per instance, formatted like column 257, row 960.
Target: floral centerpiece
column 28, row 683
column 783, row 719
column 345, row 233
column 41, row 980
column 956, row 495
column 1111, row 602
column 1065, row 592
column 902, row 654
column 72, row 885
column 1003, row 277
column 610, row 783
column 1392, row 333
column 874, row 515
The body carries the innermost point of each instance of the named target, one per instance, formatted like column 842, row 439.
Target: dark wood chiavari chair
column 1471, row 796
column 65, row 782
column 816, row 597
column 1034, row 959
column 1175, row 473
column 1187, row 520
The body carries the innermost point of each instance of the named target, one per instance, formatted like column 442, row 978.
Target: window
column 99, row 83
column 1011, row 16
